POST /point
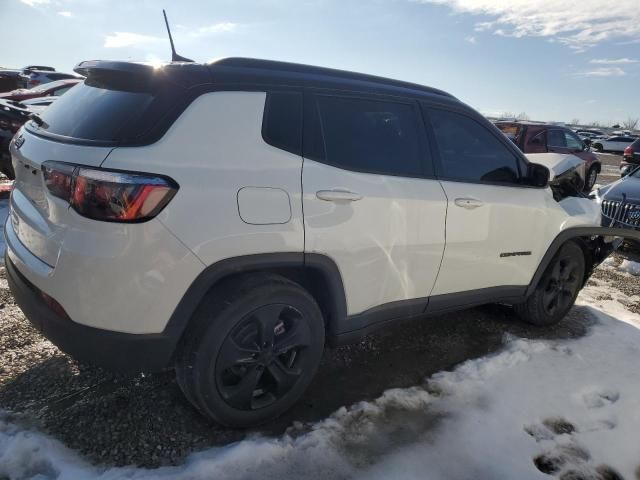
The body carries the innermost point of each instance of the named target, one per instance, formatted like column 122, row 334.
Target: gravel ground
column 145, row 420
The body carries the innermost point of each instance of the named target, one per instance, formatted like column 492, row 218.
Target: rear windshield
column 99, row 114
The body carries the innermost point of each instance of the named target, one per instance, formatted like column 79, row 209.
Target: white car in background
column 613, row 144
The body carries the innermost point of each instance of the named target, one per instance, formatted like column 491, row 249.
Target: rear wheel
column 556, row 292
column 255, row 348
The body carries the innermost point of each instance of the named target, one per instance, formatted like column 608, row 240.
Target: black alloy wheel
column 561, row 286
column 260, row 360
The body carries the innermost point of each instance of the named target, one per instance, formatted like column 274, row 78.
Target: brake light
column 107, row 195
column 628, row 152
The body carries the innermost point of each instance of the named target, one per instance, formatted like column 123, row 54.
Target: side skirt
column 355, row 327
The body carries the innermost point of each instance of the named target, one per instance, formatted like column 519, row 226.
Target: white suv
column 231, row 219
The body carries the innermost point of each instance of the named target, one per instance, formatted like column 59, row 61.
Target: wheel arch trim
column 226, row 268
column 576, row 233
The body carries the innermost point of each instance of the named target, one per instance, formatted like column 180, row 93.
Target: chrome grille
column 621, row 213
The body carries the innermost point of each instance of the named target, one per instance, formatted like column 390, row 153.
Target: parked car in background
column 541, row 138
column 10, row 80
column 620, row 202
column 631, row 158
column 50, row 89
column 13, row 115
column 590, row 132
column 39, row 77
column 615, row 143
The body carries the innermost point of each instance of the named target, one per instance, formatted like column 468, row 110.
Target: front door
column 493, row 221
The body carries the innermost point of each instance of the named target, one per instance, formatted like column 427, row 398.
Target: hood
column 629, row 186
column 557, row 163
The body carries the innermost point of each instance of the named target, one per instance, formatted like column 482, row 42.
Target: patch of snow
column 630, row 266
column 561, row 405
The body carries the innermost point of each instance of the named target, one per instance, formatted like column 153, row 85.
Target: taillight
column 107, row 195
column 628, row 152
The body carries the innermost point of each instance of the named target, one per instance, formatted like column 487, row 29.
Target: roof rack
column 273, row 65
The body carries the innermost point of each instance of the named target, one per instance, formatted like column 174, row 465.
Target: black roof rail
column 273, row 65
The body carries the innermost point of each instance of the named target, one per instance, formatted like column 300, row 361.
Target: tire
column 557, row 290
column 254, row 347
column 598, row 147
column 592, row 177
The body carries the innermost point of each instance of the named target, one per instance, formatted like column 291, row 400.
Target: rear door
column 556, row 141
column 494, row 223
column 370, row 200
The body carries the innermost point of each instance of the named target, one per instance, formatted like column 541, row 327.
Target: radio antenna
column 174, row 56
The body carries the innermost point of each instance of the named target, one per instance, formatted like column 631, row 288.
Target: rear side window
column 89, row 112
column 282, row 121
column 469, row 152
column 367, row 135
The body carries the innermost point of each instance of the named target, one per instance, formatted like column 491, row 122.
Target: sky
column 555, row 60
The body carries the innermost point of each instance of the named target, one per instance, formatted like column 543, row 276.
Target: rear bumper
column 115, row 351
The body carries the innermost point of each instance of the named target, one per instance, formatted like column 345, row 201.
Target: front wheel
column 255, row 347
column 557, row 290
column 592, row 177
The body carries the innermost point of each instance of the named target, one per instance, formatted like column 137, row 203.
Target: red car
column 53, row 88
column 540, row 138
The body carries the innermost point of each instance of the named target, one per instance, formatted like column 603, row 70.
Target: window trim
column 313, row 119
column 519, row 157
column 265, row 116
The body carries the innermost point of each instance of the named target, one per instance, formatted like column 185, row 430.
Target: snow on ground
column 630, row 266
column 559, row 407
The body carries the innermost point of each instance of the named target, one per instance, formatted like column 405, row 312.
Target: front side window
column 469, row 151
column 373, row 136
column 556, row 138
column 573, row 142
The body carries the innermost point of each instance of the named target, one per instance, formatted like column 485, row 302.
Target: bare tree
column 630, row 123
column 522, row 116
column 575, row 121
column 595, row 124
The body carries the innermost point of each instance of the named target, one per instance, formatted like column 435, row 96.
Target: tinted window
column 92, row 113
column 370, row 135
column 469, row 151
column 282, row 123
column 556, row 138
column 573, row 142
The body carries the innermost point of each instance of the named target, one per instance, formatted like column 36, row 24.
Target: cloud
column 129, row 39
column 35, row 3
column 613, row 61
column 471, row 39
column 579, row 24
column 66, row 14
column 604, row 72
column 214, row 29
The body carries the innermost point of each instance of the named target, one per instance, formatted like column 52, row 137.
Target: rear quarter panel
column 214, row 150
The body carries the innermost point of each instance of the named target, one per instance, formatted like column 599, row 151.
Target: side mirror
column 538, row 175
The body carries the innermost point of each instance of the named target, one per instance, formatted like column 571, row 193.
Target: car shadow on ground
column 146, row 421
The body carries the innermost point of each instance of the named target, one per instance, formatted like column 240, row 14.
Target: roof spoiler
column 90, row 67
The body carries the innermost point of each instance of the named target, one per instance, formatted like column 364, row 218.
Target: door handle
column 468, row 203
column 338, row 196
